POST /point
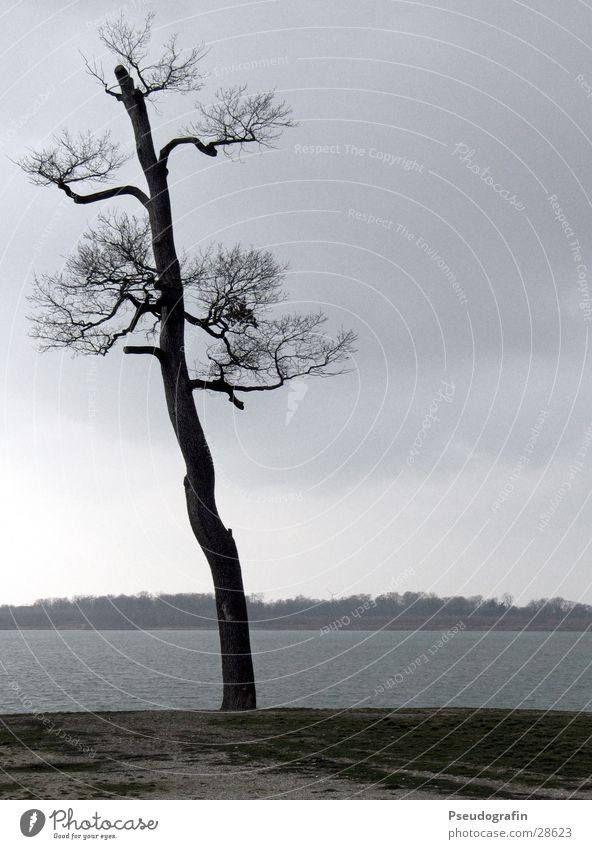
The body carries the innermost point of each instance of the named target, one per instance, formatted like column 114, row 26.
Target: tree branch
column 235, row 293
column 219, row 385
column 106, row 194
column 77, row 159
column 74, row 159
column 95, row 70
column 145, row 349
column 238, row 118
column 105, row 288
column 174, row 70
column 208, row 149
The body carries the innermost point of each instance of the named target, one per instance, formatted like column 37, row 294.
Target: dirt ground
column 297, row 754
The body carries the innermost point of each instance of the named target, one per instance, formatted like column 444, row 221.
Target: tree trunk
column 231, row 608
column 215, row 539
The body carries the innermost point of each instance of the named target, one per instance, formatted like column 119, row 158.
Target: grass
column 449, row 752
column 461, row 750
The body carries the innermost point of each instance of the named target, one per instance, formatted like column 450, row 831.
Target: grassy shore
column 293, row 753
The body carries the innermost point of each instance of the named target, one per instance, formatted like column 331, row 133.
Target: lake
column 45, row 671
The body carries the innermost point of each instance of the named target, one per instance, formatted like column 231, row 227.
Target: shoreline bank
column 297, row 754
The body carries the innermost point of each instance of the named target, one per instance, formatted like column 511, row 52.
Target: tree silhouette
column 125, row 277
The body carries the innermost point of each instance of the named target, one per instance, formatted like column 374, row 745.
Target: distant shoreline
column 404, row 628
column 431, row 628
column 410, row 611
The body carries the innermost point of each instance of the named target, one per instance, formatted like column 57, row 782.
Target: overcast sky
column 419, row 200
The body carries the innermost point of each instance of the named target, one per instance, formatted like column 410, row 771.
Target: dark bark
column 214, row 538
column 231, row 608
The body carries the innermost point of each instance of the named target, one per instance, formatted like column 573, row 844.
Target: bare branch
column 280, row 350
column 219, row 385
column 175, row 70
column 231, row 288
column 107, row 286
column 95, row 69
column 170, row 146
column 144, row 349
column 117, row 191
column 74, row 159
column 78, row 159
column 238, row 118
column 233, row 294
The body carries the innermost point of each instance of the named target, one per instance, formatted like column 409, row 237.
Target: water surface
column 45, row 671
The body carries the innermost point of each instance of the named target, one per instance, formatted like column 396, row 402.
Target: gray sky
column 418, row 201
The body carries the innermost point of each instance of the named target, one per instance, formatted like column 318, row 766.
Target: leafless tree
column 125, row 277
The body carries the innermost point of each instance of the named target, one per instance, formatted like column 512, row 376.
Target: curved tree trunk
column 215, row 539
column 220, row 549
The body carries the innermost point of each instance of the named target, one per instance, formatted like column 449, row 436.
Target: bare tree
column 125, row 277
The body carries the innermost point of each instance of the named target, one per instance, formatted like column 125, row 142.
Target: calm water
column 129, row 670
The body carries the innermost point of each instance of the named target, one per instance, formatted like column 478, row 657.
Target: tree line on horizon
column 389, row 611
